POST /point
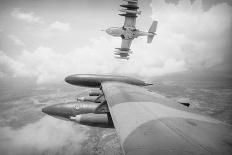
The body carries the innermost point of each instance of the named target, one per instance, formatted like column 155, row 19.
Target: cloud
column 200, row 38
column 8, row 66
column 188, row 38
column 16, row 40
column 60, row 26
column 29, row 17
column 47, row 136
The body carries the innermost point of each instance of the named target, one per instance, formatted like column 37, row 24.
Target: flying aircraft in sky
column 146, row 122
column 128, row 32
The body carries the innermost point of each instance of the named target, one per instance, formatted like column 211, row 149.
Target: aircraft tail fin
column 153, row 27
column 152, row 30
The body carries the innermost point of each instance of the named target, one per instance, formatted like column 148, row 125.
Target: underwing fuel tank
column 92, row 80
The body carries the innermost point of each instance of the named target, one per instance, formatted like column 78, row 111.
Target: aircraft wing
column 148, row 123
column 130, row 18
column 125, row 45
column 130, row 21
column 124, row 51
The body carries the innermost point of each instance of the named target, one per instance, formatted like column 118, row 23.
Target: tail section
column 153, row 27
column 150, row 38
column 152, row 31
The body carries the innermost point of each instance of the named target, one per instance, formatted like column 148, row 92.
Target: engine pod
column 95, row 120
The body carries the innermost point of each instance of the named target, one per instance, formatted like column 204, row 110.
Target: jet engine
column 95, row 120
column 86, row 113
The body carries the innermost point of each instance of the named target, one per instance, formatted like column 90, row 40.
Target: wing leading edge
column 148, row 123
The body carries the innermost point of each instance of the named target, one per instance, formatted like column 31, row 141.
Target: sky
column 48, row 40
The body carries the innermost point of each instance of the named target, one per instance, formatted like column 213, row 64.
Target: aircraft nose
column 69, row 79
column 46, row 110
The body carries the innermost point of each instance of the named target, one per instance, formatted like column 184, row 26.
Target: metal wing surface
column 130, row 19
column 125, row 45
column 148, row 123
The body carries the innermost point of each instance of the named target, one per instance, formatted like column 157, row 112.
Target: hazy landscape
column 24, row 129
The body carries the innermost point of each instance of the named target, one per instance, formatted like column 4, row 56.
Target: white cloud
column 10, row 67
column 47, row 136
column 29, row 17
column 200, row 38
column 16, row 40
column 60, row 26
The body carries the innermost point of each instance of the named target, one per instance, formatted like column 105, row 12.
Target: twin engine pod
column 86, row 113
column 95, row 120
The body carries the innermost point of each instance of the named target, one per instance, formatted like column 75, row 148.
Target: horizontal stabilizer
column 150, row 38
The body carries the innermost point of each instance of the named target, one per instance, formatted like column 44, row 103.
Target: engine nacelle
column 66, row 110
column 95, row 120
column 95, row 93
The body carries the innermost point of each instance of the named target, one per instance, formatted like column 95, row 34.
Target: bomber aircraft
column 146, row 122
column 128, row 32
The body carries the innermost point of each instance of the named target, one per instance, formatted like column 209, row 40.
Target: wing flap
column 148, row 123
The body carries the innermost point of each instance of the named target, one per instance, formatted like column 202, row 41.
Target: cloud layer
column 29, row 17
column 47, row 136
column 60, row 26
column 188, row 38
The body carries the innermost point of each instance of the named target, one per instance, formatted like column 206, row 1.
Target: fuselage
column 126, row 33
